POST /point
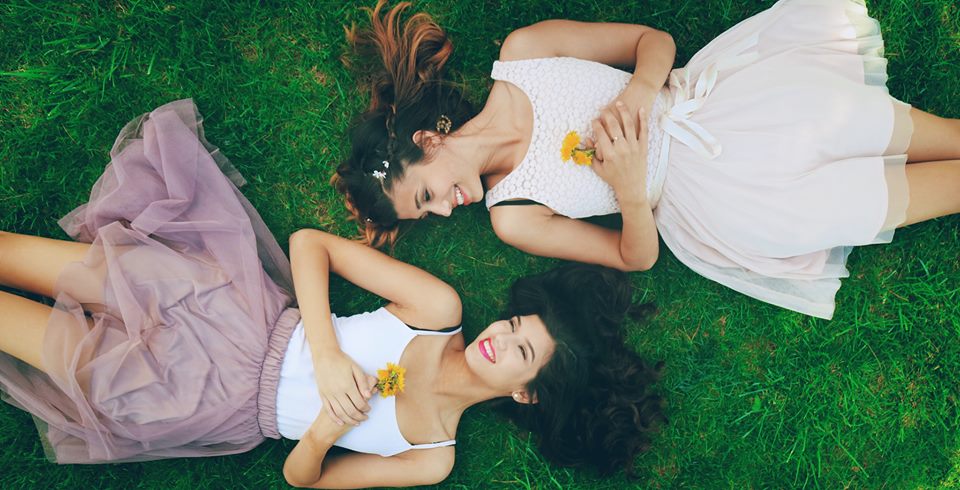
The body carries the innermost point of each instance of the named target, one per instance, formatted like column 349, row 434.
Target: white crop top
column 371, row 340
column 566, row 94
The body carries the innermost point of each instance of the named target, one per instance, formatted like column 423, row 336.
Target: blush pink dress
column 189, row 292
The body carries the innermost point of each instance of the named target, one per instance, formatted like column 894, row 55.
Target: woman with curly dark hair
column 173, row 335
column 761, row 163
column 596, row 408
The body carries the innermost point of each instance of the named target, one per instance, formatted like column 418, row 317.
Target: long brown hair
column 402, row 64
column 597, row 404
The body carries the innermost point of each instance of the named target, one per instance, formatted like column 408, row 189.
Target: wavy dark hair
column 596, row 406
column 402, row 65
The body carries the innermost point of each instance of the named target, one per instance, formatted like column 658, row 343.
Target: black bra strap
column 517, row 202
column 441, row 330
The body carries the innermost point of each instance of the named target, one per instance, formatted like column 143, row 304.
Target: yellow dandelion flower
column 390, row 380
column 582, row 157
column 570, row 142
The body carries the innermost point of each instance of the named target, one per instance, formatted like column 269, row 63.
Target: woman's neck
column 492, row 140
column 457, row 386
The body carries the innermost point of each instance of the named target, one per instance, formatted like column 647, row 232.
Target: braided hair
column 403, row 65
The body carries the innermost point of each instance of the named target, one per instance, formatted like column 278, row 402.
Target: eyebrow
column 416, row 200
column 533, row 355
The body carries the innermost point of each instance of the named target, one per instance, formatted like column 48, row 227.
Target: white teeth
column 487, row 349
column 459, row 194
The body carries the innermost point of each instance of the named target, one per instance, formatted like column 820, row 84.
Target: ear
column 524, row 397
column 423, row 137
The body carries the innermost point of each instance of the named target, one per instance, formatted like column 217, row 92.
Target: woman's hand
column 635, row 96
column 621, row 150
column 324, row 431
column 344, row 387
column 304, row 465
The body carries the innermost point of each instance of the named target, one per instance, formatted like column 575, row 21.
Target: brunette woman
column 760, row 164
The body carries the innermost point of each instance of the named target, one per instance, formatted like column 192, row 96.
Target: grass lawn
column 759, row 397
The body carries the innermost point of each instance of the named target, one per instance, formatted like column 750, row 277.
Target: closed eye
column 419, row 200
column 423, row 200
column 513, row 328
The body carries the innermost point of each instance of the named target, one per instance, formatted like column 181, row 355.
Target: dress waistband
column 270, row 371
column 684, row 98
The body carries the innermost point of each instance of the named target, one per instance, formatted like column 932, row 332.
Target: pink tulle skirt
column 188, row 284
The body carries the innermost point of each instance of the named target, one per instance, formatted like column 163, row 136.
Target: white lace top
column 566, row 95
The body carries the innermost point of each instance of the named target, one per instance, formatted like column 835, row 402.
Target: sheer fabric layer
column 185, row 284
column 812, row 161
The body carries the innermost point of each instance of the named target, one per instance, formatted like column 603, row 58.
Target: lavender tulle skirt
column 188, row 286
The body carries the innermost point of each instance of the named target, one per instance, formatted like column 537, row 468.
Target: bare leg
column 33, row 264
column 22, row 327
column 934, row 138
column 934, row 190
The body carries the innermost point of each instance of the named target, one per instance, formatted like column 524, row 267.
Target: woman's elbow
column 304, row 238
column 640, row 264
column 292, row 479
column 667, row 38
column 667, row 41
column 299, row 237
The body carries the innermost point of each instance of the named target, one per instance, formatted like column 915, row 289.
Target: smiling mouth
column 487, row 350
column 461, row 199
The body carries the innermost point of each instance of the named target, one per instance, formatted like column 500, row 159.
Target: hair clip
column 444, row 124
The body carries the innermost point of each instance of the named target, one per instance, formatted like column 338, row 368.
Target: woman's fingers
column 628, row 122
column 611, row 124
column 328, row 407
column 358, row 402
column 588, row 142
column 642, row 124
column 363, row 385
column 348, row 412
column 604, row 145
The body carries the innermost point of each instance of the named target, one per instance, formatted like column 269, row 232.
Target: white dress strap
column 434, row 444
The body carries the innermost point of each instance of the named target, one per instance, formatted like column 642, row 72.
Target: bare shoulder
column 514, row 224
column 527, row 43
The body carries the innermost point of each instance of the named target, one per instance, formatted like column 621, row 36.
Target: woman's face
column 436, row 186
column 509, row 353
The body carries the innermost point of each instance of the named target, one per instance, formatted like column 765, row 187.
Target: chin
column 473, row 358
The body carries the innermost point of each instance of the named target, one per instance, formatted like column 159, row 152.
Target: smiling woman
column 173, row 335
column 760, row 164
column 406, row 99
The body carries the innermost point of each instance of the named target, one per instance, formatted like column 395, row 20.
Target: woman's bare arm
column 650, row 52
column 417, row 297
column 537, row 230
column 309, row 466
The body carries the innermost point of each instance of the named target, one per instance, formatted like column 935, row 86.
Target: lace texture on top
column 566, row 95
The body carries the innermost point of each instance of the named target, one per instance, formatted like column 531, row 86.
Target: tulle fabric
column 812, row 162
column 185, row 283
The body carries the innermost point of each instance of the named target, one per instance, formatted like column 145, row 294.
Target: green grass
column 758, row 397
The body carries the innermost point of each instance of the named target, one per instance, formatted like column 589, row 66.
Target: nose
column 504, row 341
column 443, row 209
